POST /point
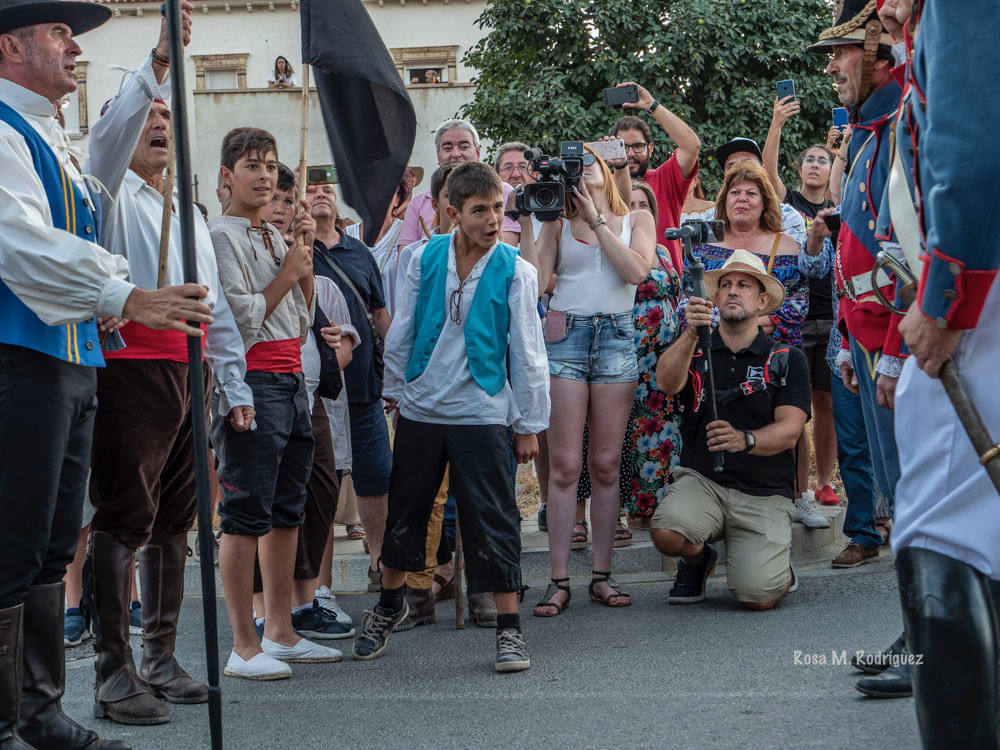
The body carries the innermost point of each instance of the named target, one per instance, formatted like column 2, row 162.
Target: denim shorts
column 372, row 454
column 595, row 349
column 263, row 472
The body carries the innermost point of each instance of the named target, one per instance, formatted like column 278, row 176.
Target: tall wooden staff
column 459, row 608
column 168, row 206
column 304, row 138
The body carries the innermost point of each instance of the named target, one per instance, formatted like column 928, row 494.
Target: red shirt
column 670, row 188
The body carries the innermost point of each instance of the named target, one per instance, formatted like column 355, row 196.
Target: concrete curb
column 639, row 563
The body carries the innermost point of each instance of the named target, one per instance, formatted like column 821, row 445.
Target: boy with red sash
column 263, row 472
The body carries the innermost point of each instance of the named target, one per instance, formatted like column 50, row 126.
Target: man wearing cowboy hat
column 763, row 399
column 871, row 357
column 60, row 291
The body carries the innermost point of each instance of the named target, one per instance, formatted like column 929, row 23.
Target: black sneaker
column 689, row 585
column 543, row 522
column 512, row 653
column 320, row 624
column 375, row 629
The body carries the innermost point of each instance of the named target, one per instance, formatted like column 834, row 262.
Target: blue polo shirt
column 355, row 259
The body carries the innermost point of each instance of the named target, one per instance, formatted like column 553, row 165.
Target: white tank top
column 587, row 283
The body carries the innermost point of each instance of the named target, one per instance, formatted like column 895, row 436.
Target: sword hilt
column 908, row 282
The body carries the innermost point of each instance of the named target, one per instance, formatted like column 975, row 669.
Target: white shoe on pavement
column 305, row 652
column 259, row 667
column 807, row 513
column 328, row 601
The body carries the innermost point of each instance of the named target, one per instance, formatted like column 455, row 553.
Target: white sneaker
column 328, row 601
column 305, row 651
column 807, row 513
column 259, row 667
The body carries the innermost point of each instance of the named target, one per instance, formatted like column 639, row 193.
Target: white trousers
column 945, row 501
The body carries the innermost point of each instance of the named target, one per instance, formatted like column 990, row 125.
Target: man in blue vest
column 465, row 362
column 61, row 296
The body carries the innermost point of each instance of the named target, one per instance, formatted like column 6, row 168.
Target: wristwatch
column 652, row 107
column 751, row 440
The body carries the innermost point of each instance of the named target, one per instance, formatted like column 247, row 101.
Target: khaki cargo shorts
column 757, row 530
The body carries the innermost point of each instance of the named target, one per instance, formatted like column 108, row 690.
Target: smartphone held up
column 619, row 95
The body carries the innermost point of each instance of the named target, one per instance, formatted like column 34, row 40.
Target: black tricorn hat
column 850, row 19
column 78, row 15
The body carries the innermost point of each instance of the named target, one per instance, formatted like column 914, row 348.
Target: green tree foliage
column 714, row 62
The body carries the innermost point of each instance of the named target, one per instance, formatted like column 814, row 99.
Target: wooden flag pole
column 168, row 207
column 459, row 608
column 304, row 138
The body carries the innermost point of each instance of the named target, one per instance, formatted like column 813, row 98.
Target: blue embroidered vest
column 76, row 343
column 489, row 315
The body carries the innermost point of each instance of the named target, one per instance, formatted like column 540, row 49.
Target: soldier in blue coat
column 947, row 535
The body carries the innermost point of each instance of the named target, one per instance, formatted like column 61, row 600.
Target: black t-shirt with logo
column 820, row 290
column 749, row 385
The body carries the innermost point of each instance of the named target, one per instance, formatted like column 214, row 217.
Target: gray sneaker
column 807, row 513
column 375, row 629
column 512, row 653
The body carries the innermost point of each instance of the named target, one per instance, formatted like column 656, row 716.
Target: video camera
column 697, row 232
column 546, row 198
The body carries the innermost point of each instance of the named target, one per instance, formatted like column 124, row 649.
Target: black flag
column 368, row 115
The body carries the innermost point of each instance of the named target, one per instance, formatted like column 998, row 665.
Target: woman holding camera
column 751, row 213
column 600, row 252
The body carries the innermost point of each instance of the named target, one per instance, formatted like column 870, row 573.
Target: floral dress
column 653, row 438
column 789, row 317
column 652, row 445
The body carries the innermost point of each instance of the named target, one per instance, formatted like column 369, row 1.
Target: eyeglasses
column 821, row 160
column 512, row 167
column 640, row 146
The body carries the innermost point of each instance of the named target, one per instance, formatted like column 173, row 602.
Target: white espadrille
column 259, row 667
column 303, row 652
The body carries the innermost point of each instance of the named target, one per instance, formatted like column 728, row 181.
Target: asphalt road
column 705, row 675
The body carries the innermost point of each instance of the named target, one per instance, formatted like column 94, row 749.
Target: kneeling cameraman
column 762, row 393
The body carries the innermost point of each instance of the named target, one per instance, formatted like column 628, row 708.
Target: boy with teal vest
column 464, row 363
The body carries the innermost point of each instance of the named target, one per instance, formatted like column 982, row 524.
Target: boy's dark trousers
column 480, row 478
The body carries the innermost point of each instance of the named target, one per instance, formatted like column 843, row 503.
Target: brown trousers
column 142, row 478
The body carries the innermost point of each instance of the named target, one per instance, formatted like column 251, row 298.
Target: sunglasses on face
column 589, row 158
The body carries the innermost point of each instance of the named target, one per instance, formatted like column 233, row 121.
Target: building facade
column 232, row 51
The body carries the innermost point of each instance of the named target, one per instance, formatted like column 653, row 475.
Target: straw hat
column 746, row 262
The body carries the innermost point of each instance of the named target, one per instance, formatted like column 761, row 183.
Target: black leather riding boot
column 10, row 678
column 43, row 722
column 951, row 632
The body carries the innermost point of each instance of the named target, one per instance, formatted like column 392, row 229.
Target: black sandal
column 551, row 590
column 579, row 541
column 604, row 576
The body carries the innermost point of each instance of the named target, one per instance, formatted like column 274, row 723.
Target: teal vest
column 76, row 343
column 489, row 315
